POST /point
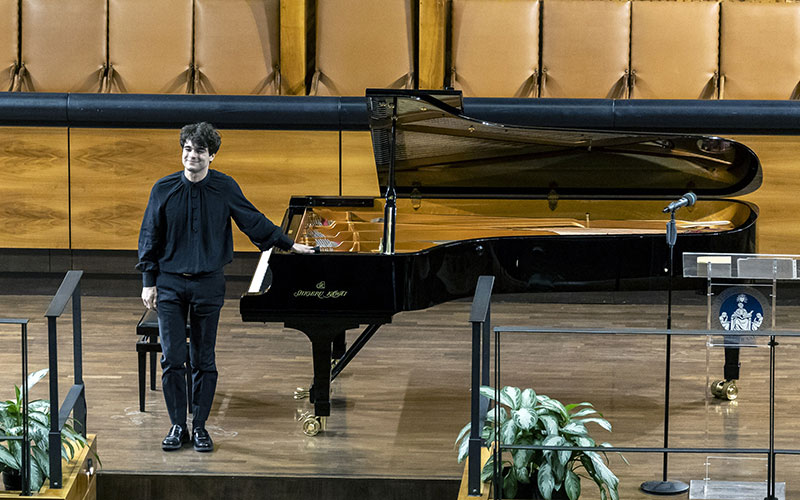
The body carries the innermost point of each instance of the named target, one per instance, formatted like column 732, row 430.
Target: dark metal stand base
column 664, row 487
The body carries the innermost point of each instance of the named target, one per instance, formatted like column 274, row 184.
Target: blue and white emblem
column 739, row 310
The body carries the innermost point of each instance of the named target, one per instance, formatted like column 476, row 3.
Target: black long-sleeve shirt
column 187, row 226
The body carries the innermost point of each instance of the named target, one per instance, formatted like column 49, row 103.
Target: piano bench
column 148, row 333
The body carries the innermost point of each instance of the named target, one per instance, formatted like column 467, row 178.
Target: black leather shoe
column 201, row 440
column 175, row 438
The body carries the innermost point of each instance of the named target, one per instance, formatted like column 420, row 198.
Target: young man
column 184, row 243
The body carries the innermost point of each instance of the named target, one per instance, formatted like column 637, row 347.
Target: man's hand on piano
column 300, row 248
column 149, row 296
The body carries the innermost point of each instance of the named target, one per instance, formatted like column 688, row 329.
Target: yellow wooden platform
column 79, row 478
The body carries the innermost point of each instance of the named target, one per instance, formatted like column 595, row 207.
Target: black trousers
column 200, row 297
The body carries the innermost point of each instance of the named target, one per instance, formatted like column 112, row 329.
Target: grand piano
column 540, row 209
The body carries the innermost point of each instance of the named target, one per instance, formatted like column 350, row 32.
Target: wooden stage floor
column 400, row 404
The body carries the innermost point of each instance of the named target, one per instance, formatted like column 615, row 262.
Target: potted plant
column 527, row 418
column 38, row 431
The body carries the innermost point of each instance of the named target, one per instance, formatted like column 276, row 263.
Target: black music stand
column 665, row 486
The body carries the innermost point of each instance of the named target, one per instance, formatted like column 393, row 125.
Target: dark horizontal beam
column 350, row 113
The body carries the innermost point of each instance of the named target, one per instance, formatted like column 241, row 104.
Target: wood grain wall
column 112, row 171
column 34, row 188
column 778, row 198
column 86, row 189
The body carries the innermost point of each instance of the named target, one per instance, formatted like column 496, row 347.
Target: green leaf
column 545, row 481
column 583, row 441
column 41, row 405
column 488, row 434
column 463, row 449
column 572, row 406
column 8, row 459
column 584, row 412
column 521, row 474
column 524, row 418
column 599, row 421
column 511, row 397
column 575, row 428
column 488, row 392
column 508, row 432
column 37, row 475
column 550, row 424
column 572, row 485
column 488, row 469
column 553, row 405
column 559, row 471
column 463, row 432
column 35, row 377
column 490, row 414
column 43, row 459
column 554, row 441
column 522, row 457
column 67, row 449
column 528, row 399
column 602, row 471
column 510, row 484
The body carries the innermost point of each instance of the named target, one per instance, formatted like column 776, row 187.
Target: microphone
column 686, row 200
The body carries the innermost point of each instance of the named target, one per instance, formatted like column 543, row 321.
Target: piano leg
column 339, row 346
column 319, row 392
column 322, row 334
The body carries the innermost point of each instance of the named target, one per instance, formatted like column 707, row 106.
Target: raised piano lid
column 440, row 152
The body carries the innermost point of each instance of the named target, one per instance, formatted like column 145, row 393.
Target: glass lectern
column 736, row 309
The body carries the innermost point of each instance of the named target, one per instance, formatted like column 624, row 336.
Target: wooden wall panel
column 359, row 177
column 9, row 42
column 271, row 166
column 760, row 50
column 150, row 46
column 432, row 43
column 113, row 171
column 294, row 20
column 34, row 193
column 585, row 48
column 483, row 31
column 674, row 50
column 777, row 228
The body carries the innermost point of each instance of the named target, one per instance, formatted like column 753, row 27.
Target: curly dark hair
column 202, row 134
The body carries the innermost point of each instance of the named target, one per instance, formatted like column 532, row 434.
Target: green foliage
column 522, row 417
column 38, row 430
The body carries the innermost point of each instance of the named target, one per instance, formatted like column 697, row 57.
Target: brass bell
column 725, row 389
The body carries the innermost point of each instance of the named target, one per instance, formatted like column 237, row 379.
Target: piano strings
column 352, row 231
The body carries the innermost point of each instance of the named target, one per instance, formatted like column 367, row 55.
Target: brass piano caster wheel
column 301, row 393
column 312, row 425
column 725, row 389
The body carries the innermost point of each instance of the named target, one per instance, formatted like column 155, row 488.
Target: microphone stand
column 665, row 486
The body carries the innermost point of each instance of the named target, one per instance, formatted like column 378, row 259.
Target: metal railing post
column 54, row 437
column 76, row 398
column 25, row 441
column 479, row 318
